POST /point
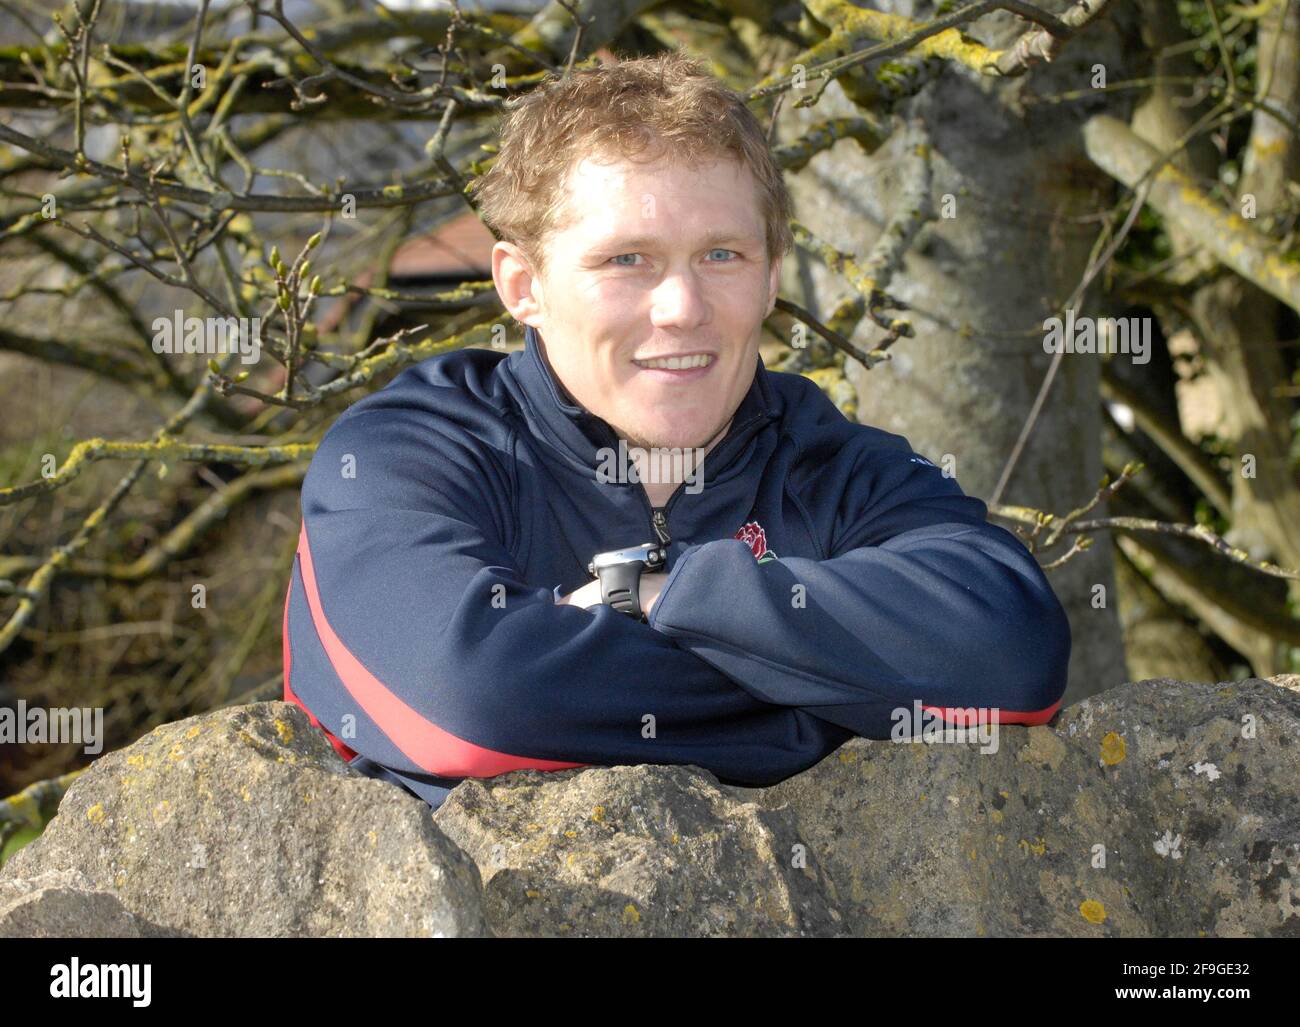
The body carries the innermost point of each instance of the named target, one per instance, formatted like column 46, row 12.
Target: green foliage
column 1147, row 243
column 17, row 840
column 1238, row 39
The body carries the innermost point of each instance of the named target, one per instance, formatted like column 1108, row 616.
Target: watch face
column 649, row 553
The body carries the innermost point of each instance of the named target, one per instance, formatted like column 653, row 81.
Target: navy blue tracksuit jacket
column 825, row 577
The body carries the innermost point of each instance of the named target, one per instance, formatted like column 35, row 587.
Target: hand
column 585, row 597
column 651, row 586
column 588, row 595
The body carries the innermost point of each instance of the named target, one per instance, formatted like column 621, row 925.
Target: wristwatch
column 620, row 570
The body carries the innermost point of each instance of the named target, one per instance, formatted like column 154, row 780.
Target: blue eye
column 617, row 261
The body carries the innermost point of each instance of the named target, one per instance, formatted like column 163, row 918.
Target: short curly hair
column 643, row 109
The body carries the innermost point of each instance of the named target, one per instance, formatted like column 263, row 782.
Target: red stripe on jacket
column 995, row 715
column 342, row 749
column 423, row 742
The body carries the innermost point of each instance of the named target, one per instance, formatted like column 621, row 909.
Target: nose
column 678, row 301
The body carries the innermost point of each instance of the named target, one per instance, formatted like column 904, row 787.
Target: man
column 464, row 603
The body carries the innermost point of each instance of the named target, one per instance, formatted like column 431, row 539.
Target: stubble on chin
column 638, row 442
column 635, row 441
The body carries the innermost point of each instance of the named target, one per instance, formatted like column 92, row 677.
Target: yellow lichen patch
column 306, row 796
column 846, row 756
column 973, row 855
column 193, row 732
column 675, row 838
column 630, row 914
column 891, row 28
column 598, row 814
column 1037, row 847
column 570, row 833
column 95, row 814
column 284, row 730
column 1092, row 911
column 533, row 827
column 25, row 808
column 136, row 760
column 532, row 893
column 996, row 816
column 373, row 838
column 243, row 794
column 126, row 780
column 176, row 753
column 1268, row 147
column 1112, row 749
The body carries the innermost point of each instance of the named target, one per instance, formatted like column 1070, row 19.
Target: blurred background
column 962, row 174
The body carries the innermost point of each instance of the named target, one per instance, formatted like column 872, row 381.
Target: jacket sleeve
column 411, row 634
column 920, row 599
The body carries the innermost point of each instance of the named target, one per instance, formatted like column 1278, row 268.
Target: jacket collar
column 577, row 436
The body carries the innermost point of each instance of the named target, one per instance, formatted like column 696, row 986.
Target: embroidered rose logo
column 753, row 535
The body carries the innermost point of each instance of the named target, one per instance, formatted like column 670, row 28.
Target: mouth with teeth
column 677, row 368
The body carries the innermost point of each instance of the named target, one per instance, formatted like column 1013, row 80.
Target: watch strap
column 620, row 587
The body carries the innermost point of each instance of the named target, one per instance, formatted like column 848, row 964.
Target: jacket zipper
column 659, row 514
column 660, row 525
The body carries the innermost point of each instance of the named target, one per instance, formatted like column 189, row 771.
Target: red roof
column 460, row 246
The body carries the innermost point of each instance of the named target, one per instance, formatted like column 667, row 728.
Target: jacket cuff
column 664, row 603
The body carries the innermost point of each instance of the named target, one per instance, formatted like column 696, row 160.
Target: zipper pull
column 660, row 524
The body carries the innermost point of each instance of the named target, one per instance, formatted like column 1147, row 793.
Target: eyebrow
column 640, row 241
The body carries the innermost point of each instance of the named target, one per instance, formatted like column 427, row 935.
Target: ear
column 518, row 286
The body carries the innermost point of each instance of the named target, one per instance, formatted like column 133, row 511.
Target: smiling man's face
column 656, row 260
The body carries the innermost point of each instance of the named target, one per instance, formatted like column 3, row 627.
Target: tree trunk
column 979, row 286
column 1236, row 322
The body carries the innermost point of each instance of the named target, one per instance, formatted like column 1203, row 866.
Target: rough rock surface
column 65, row 904
column 636, row 851
column 245, row 822
column 1159, row 808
